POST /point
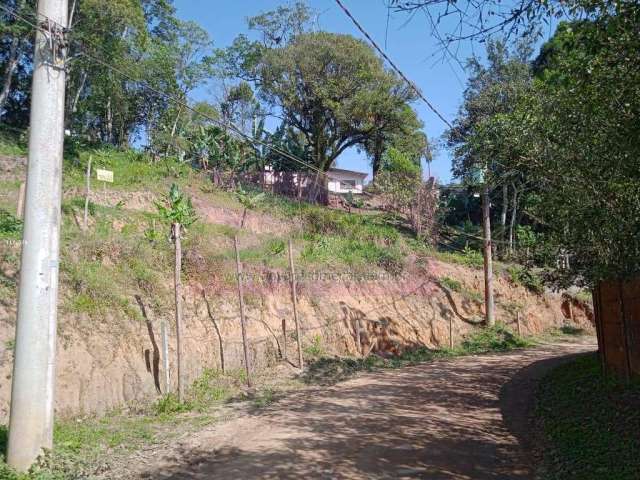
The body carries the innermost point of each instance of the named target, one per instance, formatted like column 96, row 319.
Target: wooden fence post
column 518, row 323
column 85, row 221
column 284, row 339
column 165, row 356
column 358, row 339
column 21, row 195
column 450, row 331
column 178, row 300
column 242, row 319
column 294, row 299
column 570, row 301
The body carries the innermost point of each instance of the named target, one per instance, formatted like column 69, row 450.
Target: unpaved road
column 464, row 418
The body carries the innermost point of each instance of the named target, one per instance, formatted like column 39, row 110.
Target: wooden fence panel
column 617, row 307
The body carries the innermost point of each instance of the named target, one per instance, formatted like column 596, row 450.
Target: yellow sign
column 105, row 175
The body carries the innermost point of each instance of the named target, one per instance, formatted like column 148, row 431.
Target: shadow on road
column 437, row 421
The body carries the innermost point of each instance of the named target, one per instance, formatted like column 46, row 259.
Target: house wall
column 335, row 183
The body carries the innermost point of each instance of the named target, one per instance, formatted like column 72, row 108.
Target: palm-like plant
column 176, row 208
column 249, row 201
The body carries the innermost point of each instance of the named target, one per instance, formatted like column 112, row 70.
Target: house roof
column 347, row 172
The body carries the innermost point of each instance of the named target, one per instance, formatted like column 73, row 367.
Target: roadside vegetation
column 545, row 134
column 325, row 370
column 83, row 446
column 589, row 423
column 86, row 446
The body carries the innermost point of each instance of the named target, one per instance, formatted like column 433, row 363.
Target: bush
column 525, row 277
column 451, row 284
column 169, row 404
column 467, row 257
column 9, row 224
column 493, row 339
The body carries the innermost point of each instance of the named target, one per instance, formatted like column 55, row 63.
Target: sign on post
column 104, row 175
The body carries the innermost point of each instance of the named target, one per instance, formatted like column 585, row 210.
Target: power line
column 393, row 65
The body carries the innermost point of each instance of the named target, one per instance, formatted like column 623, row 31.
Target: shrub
column 525, row 277
column 9, row 224
column 492, row 339
column 451, row 284
column 169, row 404
column 315, row 348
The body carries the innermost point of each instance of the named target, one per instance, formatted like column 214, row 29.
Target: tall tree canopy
column 333, row 89
column 574, row 133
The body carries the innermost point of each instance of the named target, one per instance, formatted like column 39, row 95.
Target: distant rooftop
column 348, row 172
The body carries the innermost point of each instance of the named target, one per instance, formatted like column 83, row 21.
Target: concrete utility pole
column 488, row 262
column 32, row 390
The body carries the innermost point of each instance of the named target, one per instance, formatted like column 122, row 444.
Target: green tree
column 396, row 123
column 577, row 132
column 478, row 156
column 176, row 208
column 330, row 88
column 15, row 52
column 249, row 201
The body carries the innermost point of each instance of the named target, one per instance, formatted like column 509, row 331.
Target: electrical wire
column 411, row 84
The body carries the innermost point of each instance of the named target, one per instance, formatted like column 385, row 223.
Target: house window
column 347, row 184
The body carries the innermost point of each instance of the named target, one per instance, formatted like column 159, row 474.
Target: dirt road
column 451, row 419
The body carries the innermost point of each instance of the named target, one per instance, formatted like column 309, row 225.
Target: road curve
column 463, row 418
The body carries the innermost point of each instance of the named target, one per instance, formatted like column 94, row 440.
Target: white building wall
column 337, row 182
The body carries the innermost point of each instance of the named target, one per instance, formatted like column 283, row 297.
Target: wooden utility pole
column 85, row 221
column 165, row 356
column 21, row 195
column 570, row 302
column 178, row 298
column 488, row 263
column 33, row 380
column 284, row 339
column 294, row 300
column 243, row 327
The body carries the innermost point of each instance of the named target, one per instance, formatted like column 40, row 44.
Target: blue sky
column 408, row 44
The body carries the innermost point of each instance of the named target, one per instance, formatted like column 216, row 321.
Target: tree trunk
column 488, row 263
column 503, row 213
column 12, row 63
column 244, row 217
column 173, row 131
column 512, row 223
column 178, row 299
column 76, row 98
column 377, row 158
column 109, row 122
column 294, row 300
column 217, row 329
column 243, row 328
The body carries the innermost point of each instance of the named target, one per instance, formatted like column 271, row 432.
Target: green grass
column 324, row 370
column 10, row 226
column 451, row 284
column 494, row 339
column 520, row 275
column 468, row 258
column 82, row 444
column 590, row 424
column 314, row 349
column 12, row 143
column 131, row 170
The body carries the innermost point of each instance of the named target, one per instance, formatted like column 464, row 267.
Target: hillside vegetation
column 360, row 270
